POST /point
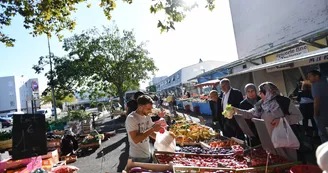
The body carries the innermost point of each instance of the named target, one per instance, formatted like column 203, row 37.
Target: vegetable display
column 228, row 112
column 5, row 135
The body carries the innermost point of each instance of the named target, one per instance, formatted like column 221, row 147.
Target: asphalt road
column 112, row 155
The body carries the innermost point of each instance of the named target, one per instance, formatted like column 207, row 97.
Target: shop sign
column 292, row 52
column 308, row 61
column 313, row 60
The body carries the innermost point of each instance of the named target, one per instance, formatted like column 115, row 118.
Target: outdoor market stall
column 199, row 104
column 63, row 140
column 200, row 149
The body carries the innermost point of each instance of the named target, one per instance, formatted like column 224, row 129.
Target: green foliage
column 60, row 100
column 102, row 63
column 5, row 135
column 54, row 16
column 78, row 115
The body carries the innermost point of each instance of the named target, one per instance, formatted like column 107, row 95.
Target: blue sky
column 203, row 34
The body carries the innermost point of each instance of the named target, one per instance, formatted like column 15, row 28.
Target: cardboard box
column 53, row 155
column 47, row 164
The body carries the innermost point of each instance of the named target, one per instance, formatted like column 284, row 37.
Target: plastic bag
column 283, row 136
column 162, row 123
column 165, row 142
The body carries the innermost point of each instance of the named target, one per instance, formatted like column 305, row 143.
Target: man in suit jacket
column 216, row 108
column 233, row 97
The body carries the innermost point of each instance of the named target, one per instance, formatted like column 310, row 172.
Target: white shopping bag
column 283, row 136
column 165, row 142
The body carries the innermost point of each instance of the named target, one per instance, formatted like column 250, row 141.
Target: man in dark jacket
column 216, row 108
column 233, row 97
column 132, row 105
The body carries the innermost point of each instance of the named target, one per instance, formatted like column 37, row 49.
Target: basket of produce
column 59, row 132
column 205, row 151
column 69, row 159
column 231, row 162
column 305, row 169
column 191, row 133
column 5, row 140
column 91, row 140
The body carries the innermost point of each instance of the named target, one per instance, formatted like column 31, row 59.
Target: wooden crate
column 6, row 144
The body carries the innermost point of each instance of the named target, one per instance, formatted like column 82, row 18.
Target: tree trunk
column 121, row 95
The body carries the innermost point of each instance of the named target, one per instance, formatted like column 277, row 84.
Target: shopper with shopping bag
column 271, row 108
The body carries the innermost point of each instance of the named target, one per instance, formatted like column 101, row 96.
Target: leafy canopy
column 103, row 63
column 54, row 16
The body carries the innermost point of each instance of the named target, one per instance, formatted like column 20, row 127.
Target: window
column 12, row 103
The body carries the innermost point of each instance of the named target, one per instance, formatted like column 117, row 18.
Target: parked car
column 6, row 122
column 46, row 112
column 10, row 115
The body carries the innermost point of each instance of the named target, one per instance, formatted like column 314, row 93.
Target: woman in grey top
column 271, row 108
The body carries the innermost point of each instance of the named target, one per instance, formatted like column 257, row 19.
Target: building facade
column 178, row 83
column 17, row 92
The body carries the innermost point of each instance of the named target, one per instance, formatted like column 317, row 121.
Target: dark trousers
column 232, row 129
column 299, row 133
column 307, row 112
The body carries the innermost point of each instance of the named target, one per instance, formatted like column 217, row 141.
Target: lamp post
column 51, row 82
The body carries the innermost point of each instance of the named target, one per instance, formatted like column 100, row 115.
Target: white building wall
column 13, row 93
column 240, row 68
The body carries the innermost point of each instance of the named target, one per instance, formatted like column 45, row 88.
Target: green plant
column 78, row 115
column 5, row 135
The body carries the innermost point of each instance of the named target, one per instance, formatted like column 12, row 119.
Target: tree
column 59, row 102
column 103, row 63
column 54, row 16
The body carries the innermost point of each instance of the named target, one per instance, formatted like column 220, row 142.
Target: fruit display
column 202, row 161
column 209, row 151
column 191, row 132
column 94, row 137
column 223, row 143
column 237, row 149
column 139, row 169
column 259, row 158
column 228, row 112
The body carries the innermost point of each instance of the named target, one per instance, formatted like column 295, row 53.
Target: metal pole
column 32, row 107
column 51, row 82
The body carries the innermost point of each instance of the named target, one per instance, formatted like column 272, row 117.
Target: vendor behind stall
column 216, row 108
column 139, row 127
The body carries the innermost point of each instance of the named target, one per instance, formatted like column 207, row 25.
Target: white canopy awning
column 209, row 83
column 315, row 57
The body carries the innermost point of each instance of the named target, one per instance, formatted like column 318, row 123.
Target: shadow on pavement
column 124, row 157
column 111, row 125
column 110, row 148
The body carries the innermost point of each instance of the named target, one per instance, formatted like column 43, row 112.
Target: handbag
column 283, row 136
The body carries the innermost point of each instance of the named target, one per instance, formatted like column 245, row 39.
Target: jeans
column 322, row 123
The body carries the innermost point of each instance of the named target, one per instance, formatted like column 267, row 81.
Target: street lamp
column 51, row 82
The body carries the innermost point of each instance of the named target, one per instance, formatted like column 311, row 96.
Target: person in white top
column 233, row 97
column 139, row 127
